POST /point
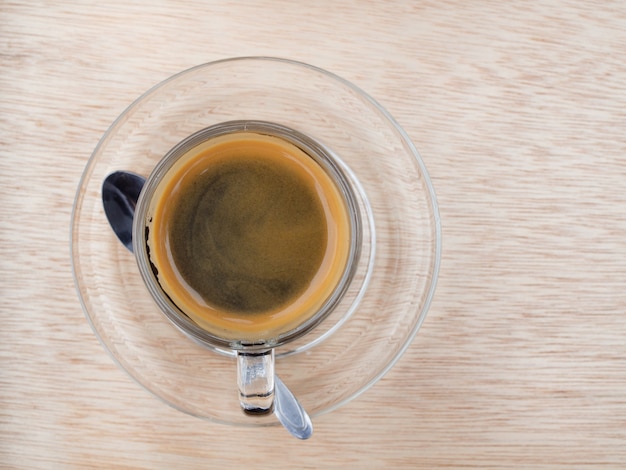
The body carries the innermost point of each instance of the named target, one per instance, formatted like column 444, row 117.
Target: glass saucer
column 341, row 360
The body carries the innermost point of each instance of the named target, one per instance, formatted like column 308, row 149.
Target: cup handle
column 255, row 379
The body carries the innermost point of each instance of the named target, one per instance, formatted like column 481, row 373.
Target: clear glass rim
column 318, row 152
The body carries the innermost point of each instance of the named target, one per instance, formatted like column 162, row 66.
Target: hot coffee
column 248, row 235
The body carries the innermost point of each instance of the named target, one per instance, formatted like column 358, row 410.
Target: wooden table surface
column 519, row 112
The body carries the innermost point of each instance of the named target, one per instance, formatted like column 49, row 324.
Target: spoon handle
column 290, row 412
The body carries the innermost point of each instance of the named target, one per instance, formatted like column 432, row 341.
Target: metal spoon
column 120, row 191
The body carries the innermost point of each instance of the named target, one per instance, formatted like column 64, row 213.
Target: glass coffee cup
column 247, row 235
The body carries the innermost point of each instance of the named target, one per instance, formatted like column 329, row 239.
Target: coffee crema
column 248, row 235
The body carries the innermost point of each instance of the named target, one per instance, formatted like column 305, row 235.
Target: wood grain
column 518, row 110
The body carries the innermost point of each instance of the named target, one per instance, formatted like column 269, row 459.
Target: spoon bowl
column 120, row 192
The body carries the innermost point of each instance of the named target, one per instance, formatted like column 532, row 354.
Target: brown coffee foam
column 268, row 235
column 246, row 234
